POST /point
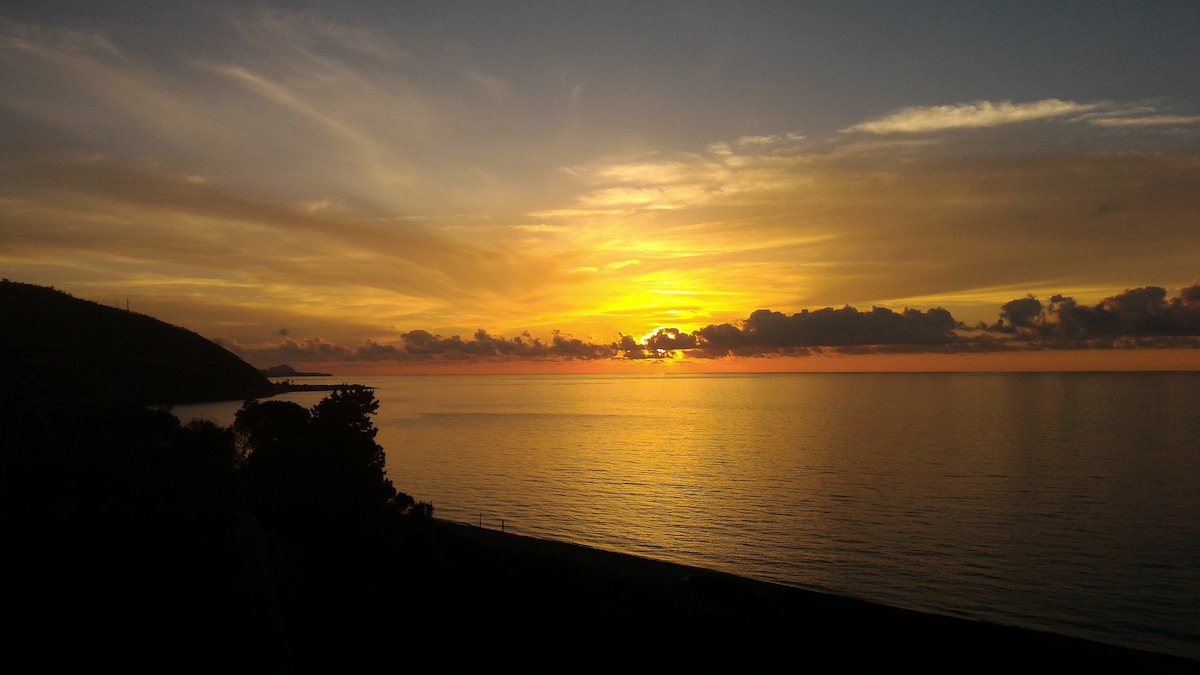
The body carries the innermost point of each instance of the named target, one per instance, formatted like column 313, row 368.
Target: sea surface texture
column 1067, row 502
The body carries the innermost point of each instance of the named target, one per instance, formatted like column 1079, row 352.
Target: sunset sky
column 351, row 186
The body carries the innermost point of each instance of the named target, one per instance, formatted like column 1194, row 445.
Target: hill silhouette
column 132, row 539
column 57, row 348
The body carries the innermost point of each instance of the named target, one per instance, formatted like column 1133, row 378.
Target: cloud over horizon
column 1142, row 317
column 353, row 174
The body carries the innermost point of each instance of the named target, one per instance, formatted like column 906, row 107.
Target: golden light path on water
column 1058, row 501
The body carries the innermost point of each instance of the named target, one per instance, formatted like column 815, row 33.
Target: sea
column 1065, row 502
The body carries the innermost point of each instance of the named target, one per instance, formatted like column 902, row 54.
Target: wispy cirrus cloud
column 969, row 116
column 986, row 114
column 378, row 169
column 1151, row 120
column 895, row 220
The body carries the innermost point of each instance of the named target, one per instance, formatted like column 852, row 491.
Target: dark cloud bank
column 1141, row 317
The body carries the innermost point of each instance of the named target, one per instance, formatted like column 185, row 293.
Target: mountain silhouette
column 57, row 348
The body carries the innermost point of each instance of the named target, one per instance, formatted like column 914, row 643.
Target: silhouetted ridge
column 59, row 348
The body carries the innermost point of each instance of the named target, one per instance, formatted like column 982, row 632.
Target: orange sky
column 303, row 185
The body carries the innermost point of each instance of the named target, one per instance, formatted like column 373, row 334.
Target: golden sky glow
column 287, row 180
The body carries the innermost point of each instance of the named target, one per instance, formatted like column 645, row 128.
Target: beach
column 383, row 593
column 523, row 592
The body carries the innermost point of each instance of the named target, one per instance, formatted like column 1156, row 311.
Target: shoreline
column 278, row 388
column 767, row 611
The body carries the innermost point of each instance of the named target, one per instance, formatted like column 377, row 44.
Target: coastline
column 493, row 587
column 287, row 387
column 706, row 612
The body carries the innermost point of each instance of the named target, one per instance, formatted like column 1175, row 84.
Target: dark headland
column 133, row 539
column 61, row 349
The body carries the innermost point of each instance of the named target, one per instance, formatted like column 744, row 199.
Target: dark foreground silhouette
column 280, row 543
column 129, row 539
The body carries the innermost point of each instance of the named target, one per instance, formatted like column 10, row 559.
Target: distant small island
column 284, row 370
column 286, row 385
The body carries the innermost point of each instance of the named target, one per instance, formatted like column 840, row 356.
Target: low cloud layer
column 1141, row 317
column 1138, row 313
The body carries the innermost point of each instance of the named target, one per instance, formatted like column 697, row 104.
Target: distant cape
column 284, row 370
column 57, row 349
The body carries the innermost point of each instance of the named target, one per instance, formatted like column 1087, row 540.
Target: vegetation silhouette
column 280, row 542
column 119, row 520
column 318, row 468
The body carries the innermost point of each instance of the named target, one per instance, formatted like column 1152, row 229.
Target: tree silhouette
column 342, row 423
column 320, row 468
column 265, row 429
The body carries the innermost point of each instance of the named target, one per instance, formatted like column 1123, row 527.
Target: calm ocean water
column 1063, row 502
